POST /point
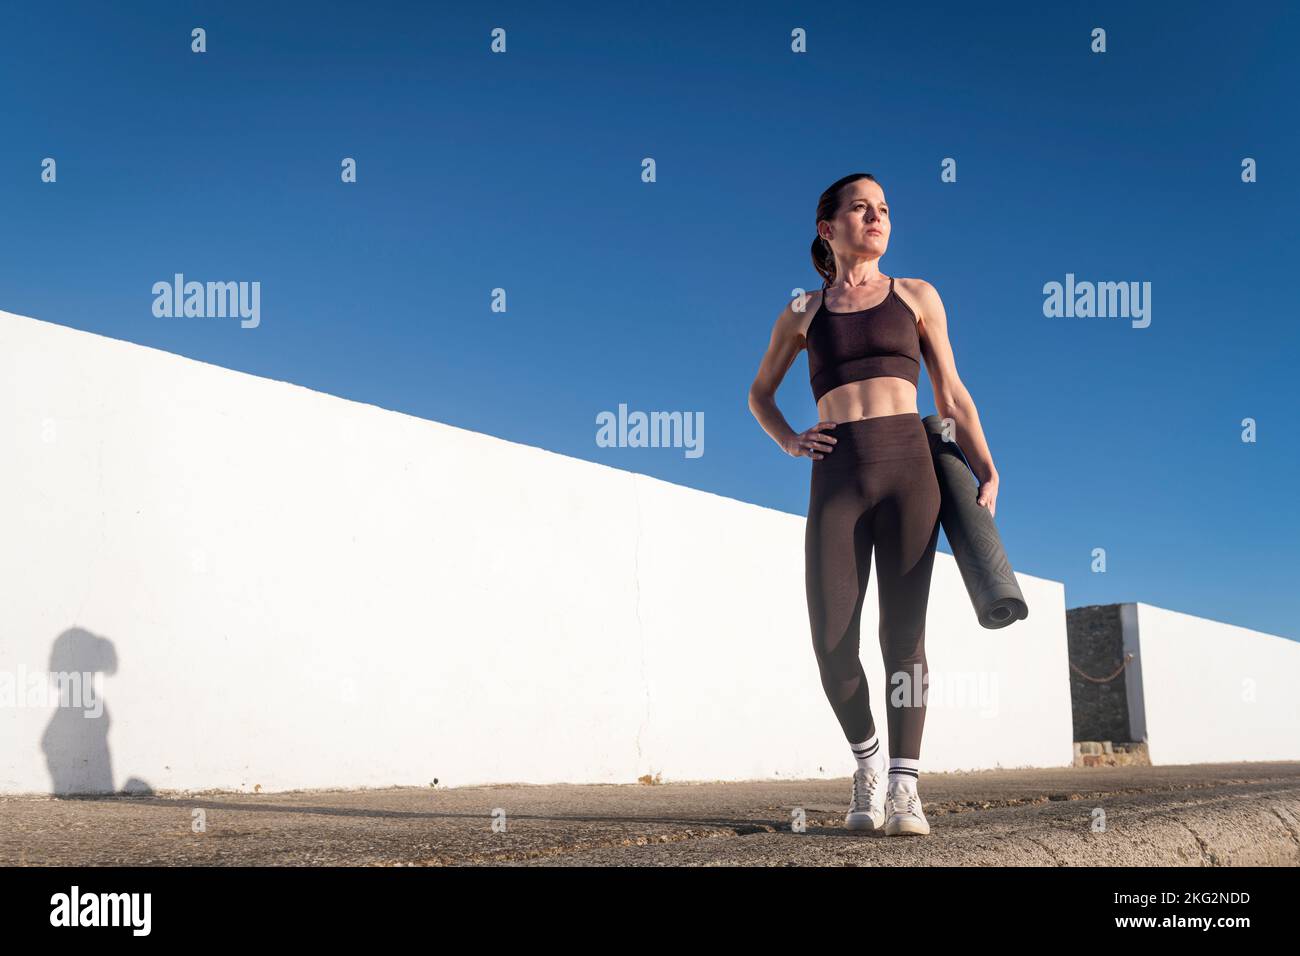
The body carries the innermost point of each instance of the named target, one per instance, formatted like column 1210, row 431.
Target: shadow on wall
column 75, row 742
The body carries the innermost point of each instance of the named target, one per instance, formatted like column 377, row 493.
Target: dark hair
column 827, row 206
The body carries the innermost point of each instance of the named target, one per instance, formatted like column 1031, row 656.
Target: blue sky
column 522, row 171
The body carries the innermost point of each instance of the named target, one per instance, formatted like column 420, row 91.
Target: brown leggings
column 877, row 487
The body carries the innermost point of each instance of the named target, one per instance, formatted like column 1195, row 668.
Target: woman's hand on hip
column 814, row 442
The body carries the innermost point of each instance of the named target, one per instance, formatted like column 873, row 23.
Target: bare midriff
column 869, row 398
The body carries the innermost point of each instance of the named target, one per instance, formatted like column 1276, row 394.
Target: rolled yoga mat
column 976, row 544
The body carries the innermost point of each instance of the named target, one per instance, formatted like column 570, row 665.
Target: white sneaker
column 867, row 809
column 905, row 814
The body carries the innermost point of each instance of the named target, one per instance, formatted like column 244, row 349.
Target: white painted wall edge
column 286, row 589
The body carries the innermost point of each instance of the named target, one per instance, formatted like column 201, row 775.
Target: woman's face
column 861, row 226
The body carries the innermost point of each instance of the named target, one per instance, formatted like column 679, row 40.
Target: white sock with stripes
column 903, row 772
column 868, row 754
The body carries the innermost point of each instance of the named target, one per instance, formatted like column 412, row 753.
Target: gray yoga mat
column 976, row 544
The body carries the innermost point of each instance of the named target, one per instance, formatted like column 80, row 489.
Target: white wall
column 1211, row 691
column 288, row 589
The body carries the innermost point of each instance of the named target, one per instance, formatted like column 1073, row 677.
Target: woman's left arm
column 950, row 396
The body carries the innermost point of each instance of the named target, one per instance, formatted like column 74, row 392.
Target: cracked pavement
column 1190, row 815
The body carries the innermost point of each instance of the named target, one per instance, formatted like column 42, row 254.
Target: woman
column 873, row 481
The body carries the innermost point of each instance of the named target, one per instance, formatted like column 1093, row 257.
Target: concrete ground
column 1202, row 815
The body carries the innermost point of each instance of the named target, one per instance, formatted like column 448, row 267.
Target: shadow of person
column 75, row 742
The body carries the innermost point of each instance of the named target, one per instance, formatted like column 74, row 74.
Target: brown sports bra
column 847, row 347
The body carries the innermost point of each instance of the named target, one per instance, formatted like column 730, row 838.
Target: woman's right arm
column 787, row 339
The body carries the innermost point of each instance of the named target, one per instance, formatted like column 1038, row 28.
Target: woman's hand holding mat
column 976, row 544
